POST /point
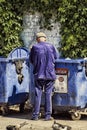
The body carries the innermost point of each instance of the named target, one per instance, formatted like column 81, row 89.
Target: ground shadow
column 27, row 114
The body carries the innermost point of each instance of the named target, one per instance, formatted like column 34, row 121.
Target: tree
column 10, row 26
column 71, row 14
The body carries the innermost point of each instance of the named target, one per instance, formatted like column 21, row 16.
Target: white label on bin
column 61, row 81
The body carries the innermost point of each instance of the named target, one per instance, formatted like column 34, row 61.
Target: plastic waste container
column 14, row 79
column 70, row 92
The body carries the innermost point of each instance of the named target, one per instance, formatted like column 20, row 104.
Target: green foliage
column 10, row 27
column 73, row 18
column 72, row 15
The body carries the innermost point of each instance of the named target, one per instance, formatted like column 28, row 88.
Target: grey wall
column 31, row 27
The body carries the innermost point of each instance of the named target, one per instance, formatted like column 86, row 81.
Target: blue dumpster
column 14, row 78
column 70, row 92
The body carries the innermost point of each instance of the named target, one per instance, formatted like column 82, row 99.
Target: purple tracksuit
column 43, row 56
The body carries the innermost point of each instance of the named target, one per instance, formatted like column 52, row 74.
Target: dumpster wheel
column 5, row 110
column 21, row 107
column 76, row 116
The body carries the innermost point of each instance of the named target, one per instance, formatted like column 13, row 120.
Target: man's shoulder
column 35, row 46
column 50, row 45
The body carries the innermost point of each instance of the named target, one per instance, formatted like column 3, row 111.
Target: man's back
column 43, row 57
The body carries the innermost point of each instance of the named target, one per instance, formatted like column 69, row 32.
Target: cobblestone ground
column 14, row 118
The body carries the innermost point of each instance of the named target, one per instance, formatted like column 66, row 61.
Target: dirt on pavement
column 15, row 117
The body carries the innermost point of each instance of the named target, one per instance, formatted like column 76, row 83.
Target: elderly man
column 43, row 56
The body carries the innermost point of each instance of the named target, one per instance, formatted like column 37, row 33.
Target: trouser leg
column 48, row 98
column 37, row 102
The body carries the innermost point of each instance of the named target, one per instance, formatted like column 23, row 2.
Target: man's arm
column 31, row 57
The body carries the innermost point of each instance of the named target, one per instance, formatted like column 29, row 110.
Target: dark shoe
column 49, row 119
column 34, row 118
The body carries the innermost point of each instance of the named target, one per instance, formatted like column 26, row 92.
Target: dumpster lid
column 78, row 61
column 3, row 59
column 19, row 53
